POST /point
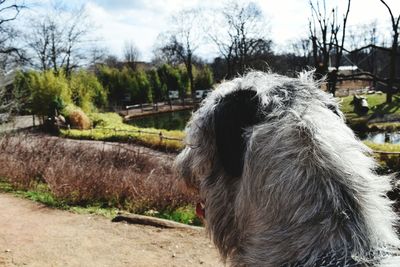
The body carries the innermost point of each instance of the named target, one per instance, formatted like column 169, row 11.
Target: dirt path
column 20, row 122
column 34, row 235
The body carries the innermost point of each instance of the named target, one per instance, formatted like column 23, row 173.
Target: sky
column 141, row 21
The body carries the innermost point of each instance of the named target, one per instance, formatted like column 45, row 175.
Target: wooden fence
column 165, row 137
column 127, row 132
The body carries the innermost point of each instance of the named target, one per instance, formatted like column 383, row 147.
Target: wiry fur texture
column 307, row 186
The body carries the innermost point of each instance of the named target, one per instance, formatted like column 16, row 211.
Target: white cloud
column 142, row 20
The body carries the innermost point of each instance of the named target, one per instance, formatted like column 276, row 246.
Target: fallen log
column 152, row 221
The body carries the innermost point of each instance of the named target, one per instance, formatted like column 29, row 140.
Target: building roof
column 7, row 78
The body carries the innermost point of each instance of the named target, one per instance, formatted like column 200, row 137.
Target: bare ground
column 19, row 122
column 34, row 235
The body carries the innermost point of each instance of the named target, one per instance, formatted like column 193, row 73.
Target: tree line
column 128, row 85
column 62, row 42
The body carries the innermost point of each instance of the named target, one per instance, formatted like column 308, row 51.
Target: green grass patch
column 110, row 127
column 377, row 108
column 387, row 147
column 186, row 215
column 39, row 192
column 388, row 163
column 376, row 103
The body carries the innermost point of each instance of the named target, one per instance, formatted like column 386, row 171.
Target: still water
column 383, row 137
column 170, row 121
column 177, row 121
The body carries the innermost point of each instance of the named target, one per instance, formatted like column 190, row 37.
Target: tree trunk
column 54, row 53
column 392, row 74
column 190, row 75
column 67, row 66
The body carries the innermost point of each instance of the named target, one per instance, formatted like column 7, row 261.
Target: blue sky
column 141, row 21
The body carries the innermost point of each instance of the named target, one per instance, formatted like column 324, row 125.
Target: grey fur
column 308, row 184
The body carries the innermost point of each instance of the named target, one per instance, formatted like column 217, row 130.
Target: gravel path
column 20, row 122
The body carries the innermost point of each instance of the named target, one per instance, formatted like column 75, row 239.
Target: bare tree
column 112, row 61
column 5, row 105
column 97, row 54
column 56, row 40
column 11, row 99
column 327, row 36
column 180, row 43
column 9, row 11
column 302, row 48
column 364, row 35
column 393, row 52
column 131, row 54
column 41, row 43
column 240, row 35
column 75, row 31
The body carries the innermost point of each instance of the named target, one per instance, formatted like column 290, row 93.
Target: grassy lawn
column 110, row 127
column 374, row 101
column 378, row 107
column 377, row 104
column 387, row 147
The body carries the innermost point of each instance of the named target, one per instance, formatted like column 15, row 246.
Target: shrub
column 143, row 90
column 80, row 174
column 157, row 89
column 171, row 78
column 49, row 92
column 203, row 79
column 87, row 92
column 76, row 117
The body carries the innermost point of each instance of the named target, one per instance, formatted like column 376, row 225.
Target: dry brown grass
column 78, row 119
column 82, row 174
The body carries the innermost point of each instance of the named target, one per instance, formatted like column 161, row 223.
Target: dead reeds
column 84, row 173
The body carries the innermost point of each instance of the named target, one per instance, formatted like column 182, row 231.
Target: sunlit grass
column 110, row 127
column 377, row 108
column 38, row 192
column 386, row 147
column 376, row 103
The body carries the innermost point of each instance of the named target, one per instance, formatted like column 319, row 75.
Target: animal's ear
column 233, row 113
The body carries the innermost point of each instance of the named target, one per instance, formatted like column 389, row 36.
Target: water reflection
column 177, row 121
column 170, row 121
column 380, row 138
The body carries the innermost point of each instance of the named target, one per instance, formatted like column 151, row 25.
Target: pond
column 170, row 121
column 382, row 137
column 177, row 121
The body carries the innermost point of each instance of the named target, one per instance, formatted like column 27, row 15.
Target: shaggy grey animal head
column 283, row 178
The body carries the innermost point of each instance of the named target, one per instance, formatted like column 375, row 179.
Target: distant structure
column 7, row 81
column 351, row 86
